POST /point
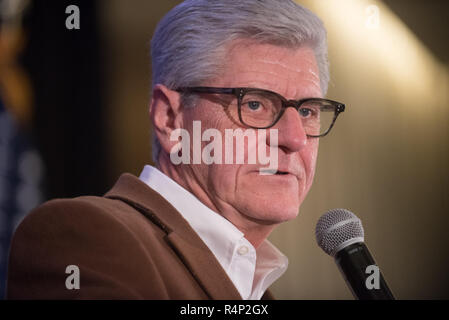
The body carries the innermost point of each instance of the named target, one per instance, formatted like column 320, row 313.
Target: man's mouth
column 275, row 172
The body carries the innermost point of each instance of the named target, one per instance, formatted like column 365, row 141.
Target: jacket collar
column 186, row 243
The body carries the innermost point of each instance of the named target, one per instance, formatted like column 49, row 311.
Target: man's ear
column 165, row 114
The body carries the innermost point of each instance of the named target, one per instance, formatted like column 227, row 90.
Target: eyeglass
column 262, row 109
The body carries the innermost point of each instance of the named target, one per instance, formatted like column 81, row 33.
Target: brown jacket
column 129, row 244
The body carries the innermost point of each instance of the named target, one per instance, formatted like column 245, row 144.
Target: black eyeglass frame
column 240, row 93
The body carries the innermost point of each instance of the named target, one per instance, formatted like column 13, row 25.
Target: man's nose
column 292, row 136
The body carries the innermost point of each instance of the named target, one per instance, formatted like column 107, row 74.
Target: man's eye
column 305, row 112
column 254, row 105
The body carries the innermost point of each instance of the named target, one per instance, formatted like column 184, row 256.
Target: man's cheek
column 312, row 165
column 312, row 153
column 309, row 158
column 223, row 178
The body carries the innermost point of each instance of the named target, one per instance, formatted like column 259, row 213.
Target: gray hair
column 190, row 42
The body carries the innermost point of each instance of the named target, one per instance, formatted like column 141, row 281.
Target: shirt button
column 243, row 250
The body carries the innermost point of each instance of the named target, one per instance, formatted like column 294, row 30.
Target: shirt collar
column 220, row 235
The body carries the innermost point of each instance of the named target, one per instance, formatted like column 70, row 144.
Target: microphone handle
column 352, row 262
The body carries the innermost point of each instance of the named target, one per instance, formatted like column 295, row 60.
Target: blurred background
column 73, row 117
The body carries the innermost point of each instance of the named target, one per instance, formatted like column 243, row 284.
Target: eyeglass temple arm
column 207, row 90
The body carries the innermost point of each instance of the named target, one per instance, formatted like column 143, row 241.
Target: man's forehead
column 264, row 50
column 276, row 68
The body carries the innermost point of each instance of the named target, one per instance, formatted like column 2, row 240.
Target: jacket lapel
column 204, row 268
column 192, row 251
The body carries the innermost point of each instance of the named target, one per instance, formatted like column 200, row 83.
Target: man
column 249, row 74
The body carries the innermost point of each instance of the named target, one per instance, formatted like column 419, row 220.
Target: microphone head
column 337, row 229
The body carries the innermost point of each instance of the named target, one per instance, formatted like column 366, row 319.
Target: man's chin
column 269, row 215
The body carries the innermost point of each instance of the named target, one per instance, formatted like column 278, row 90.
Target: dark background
column 66, row 72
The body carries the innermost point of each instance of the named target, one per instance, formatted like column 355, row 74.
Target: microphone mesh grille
column 336, row 227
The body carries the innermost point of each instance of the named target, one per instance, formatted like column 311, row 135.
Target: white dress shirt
column 251, row 271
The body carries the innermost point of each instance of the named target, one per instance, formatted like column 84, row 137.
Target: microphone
column 340, row 234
